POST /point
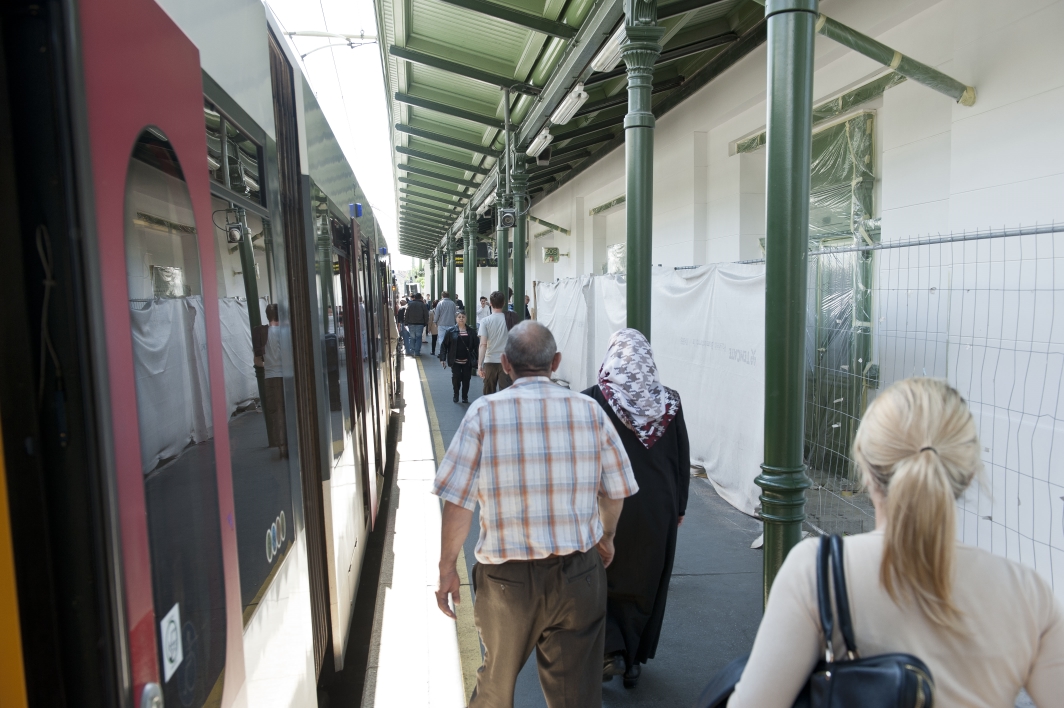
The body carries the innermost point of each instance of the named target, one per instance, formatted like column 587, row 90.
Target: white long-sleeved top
column 1013, row 630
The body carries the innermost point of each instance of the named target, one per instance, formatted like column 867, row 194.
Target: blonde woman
column 985, row 626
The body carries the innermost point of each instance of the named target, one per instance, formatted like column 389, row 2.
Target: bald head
column 531, row 350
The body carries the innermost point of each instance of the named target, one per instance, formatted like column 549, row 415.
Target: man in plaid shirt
column 550, row 474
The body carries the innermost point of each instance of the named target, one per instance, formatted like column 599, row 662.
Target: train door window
column 233, row 159
column 175, row 425
column 256, row 345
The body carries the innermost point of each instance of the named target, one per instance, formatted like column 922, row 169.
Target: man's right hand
column 480, row 372
column 449, row 587
column 606, row 550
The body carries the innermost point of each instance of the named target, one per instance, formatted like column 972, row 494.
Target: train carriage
column 186, row 244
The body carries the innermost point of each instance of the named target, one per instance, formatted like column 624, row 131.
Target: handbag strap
column 842, row 597
column 823, row 594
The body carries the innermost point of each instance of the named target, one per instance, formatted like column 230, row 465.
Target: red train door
column 149, row 176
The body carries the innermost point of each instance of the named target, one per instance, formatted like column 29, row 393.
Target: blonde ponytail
column 917, row 447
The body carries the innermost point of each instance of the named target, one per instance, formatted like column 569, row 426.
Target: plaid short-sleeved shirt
column 536, row 456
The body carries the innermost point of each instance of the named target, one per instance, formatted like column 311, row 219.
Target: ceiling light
column 569, row 106
column 542, row 140
column 610, row 53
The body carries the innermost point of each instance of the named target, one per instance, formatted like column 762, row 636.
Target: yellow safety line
column 12, row 675
column 468, row 639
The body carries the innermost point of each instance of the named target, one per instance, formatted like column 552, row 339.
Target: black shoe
column 465, row 400
column 455, row 398
column 631, row 676
column 612, row 665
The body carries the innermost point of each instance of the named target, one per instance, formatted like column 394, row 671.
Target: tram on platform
column 198, row 360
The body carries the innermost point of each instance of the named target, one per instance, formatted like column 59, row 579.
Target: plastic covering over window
column 839, row 370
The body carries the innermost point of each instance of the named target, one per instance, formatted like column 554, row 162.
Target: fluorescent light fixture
column 490, row 199
column 569, row 106
column 610, row 53
column 542, row 140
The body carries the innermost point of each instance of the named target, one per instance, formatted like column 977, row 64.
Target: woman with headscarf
column 649, row 419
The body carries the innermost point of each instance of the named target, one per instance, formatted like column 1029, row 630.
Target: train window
column 233, row 159
column 256, row 342
column 174, row 416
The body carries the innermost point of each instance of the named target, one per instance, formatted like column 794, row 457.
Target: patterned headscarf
column 628, row 378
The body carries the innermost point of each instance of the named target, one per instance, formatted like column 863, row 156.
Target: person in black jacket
column 649, row 418
column 459, row 351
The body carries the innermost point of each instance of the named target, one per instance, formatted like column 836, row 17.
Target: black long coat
column 638, row 577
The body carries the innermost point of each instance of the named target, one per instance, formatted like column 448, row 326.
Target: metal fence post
column 791, row 30
column 641, row 48
column 520, row 189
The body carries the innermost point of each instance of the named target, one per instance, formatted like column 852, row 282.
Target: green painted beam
column 415, row 57
column 429, row 157
column 430, row 197
column 516, row 17
column 427, row 216
column 426, row 185
column 448, row 110
column 590, row 128
column 445, row 140
column 437, row 175
column 622, row 98
column 672, row 55
column 423, row 205
column 578, row 145
column 553, row 169
column 683, row 7
column 414, row 221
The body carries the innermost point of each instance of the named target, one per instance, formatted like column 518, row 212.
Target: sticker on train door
column 170, row 636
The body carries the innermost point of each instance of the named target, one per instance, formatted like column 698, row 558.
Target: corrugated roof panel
column 476, row 39
column 445, row 87
column 712, row 12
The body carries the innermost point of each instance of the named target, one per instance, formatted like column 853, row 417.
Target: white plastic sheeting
column 170, row 361
column 708, row 338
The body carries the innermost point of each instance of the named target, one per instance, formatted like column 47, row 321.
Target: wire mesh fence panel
column 985, row 311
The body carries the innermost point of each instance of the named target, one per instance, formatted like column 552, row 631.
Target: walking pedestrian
column 459, row 351
column 434, row 329
column 986, row 626
column 493, row 332
column 400, row 322
column 445, row 311
column 484, row 310
column 550, row 474
column 417, row 316
column 649, row 419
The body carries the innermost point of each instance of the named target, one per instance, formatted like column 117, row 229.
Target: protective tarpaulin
column 562, row 308
column 238, row 356
column 708, row 337
column 708, row 340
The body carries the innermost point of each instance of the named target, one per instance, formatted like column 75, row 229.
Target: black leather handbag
column 884, row 681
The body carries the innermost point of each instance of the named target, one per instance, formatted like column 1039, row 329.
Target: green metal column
column 520, row 188
column 251, row 291
column 641, row 48
column 791, row 29
column 432, row 277
column 502, row 243
column 469, row 268
column 452, row 282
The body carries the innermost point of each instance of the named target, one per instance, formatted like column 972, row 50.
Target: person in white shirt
column 484, row 310
column 493, row 333
column 276, row 424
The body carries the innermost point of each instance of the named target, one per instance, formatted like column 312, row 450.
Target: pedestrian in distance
column 484, row 310
column 984, row 625
column 417, row 316
column 458, row 350
column 528, row 315
column 445, row 311
column 400, row 322
column 550, row 474
column 433, row 329
column 493, row 332
column 649, row 419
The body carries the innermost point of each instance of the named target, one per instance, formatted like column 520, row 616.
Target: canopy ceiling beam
column 424, row 216
column 437, row 175
column 429, row 157
column 590, row 128
column 683, row 7
column 516, row 17
column 426, row 185
column 415, row 57
column 672, row 55
column 447, row 110
column 621, row 99
column 430, row 197
column 429, row 222
column 445, row 140
column 579, row 145
column 436, row 207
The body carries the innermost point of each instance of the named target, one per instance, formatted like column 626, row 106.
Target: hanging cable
column 44, row 251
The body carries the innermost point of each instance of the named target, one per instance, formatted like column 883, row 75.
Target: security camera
column 507, row 218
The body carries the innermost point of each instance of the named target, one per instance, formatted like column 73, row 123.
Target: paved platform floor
column 714, row 602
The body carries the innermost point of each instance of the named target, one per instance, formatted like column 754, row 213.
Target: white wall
column 942, row 166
